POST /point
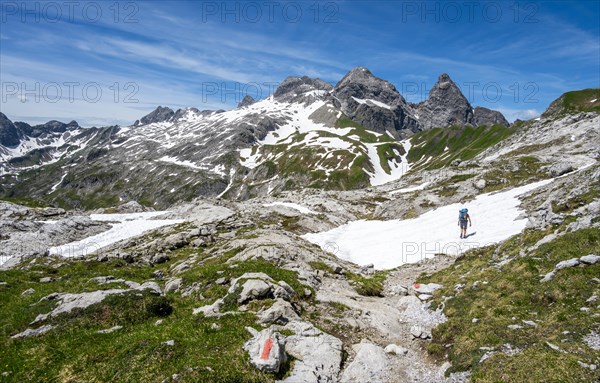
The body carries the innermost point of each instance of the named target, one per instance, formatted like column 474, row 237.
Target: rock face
column 47, row 128
column 445, row 106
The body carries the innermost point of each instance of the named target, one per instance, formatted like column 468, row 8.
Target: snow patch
column 409, row 189
column 389, row 244
column 125, row 226
column 295, row 206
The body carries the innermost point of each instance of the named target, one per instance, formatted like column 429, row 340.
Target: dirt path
column 391, row 319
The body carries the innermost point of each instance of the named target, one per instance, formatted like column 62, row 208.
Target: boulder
column 396, row 350
column 548, row 277
column 212, row 310
column 281, row 312
column 399, row 290
column 568, row 263
column 176, row 241
column 425, row 288
column 590, row 259
column 559, row 168
column 369, row 365
column 479, row 184
column 419, row 332
column 151, row 285
column 266, row 349
column 106, row 280
column 68, row 302
column 173, row 285
column 287, row 287
column 28, row 292
column 255, row 289
column 159, row 258
column 318, row 355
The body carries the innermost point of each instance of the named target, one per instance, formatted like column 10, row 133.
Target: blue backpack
column 462, row 214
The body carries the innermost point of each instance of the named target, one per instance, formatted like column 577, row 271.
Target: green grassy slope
column 499, row 296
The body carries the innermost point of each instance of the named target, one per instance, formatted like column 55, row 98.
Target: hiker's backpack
column 462, row 214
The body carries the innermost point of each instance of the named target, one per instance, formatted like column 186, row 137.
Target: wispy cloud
column 170, row 54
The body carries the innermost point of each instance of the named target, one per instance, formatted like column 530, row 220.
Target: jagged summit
column 246, row 101
column 293, row 89
column 446, row 105
column 160, row 114
column 373, row 102
column 361, row 83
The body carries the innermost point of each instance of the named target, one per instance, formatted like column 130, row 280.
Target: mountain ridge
column 305, row 135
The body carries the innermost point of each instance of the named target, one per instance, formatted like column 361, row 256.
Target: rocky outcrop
column 33, row 332
column 68, row 302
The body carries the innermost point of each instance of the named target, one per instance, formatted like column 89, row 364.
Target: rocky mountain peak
column 446, row 90
column 160, row 114
column 362, row 84
column 293, row 87
column 445, row 106
column 372, row 102
column 9, row 134
column 246, row 101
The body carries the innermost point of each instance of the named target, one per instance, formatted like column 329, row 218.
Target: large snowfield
column 389, row 244
column 126, row 226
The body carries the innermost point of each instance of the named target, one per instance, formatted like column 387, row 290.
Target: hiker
column 463, row 218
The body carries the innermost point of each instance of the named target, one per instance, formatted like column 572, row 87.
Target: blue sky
column 56, row 57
